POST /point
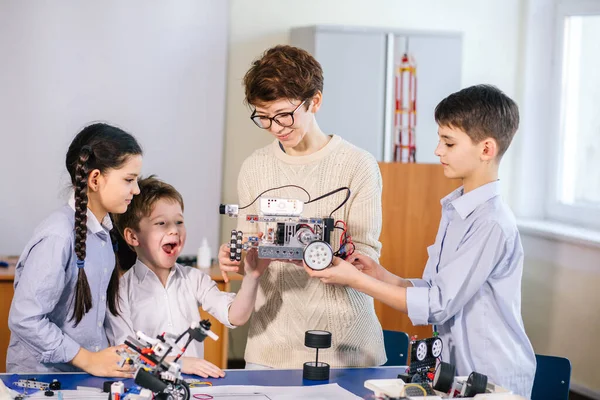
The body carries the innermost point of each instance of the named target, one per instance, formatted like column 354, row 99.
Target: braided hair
column 97, row 147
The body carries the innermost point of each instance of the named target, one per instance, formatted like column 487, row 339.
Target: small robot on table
column 428, row 376
column 153, row 372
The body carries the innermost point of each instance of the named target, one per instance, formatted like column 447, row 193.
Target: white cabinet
column 359, row 65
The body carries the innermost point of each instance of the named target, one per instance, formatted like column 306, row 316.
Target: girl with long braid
column 67, row 276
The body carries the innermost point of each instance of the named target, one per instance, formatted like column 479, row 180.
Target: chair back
column 552, row 378
column 396, row 347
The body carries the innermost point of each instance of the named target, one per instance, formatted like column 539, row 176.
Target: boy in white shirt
column 158, row 295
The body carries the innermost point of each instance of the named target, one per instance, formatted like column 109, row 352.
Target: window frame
column 587, row 216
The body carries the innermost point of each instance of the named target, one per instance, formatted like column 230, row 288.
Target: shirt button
column 103, row 297
column 100, row 324
column 105, row 270
column 97, row 348
column 103, row 243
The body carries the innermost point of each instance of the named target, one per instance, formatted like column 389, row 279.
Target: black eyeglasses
column 284, row 120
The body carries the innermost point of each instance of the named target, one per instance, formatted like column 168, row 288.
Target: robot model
column 153, row 372
column 287, row 235
column 433, row 376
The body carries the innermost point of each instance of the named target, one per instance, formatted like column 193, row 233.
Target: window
column 574, row 195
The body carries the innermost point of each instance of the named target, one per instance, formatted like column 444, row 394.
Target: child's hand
column 367, row 265
column 253, row 265
column 200, row 367
column 103, row 363
column 225, row 263
column 339, row 273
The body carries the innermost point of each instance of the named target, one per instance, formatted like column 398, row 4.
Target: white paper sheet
column 234, row 392
column 317, row 392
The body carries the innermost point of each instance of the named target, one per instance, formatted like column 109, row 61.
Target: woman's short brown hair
column 283, row 72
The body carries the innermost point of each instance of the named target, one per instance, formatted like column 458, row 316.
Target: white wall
column 491, row 49
column 155, row 68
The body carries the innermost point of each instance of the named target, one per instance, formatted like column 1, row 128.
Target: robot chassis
column 433, row 378
column 153, row 372
column 287, row 234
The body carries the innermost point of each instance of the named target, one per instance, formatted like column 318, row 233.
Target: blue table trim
column 351, row 379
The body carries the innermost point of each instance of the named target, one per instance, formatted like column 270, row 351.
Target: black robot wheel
column 476, row 384
column 232, row 245
column 444, row 377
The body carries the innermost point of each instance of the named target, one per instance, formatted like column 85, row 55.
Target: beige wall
column 490, row 52
column 561, row 305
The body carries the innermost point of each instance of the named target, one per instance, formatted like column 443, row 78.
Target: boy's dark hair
column 481, row 111
column 283, row 72
column 102, row 147
column 152, row 190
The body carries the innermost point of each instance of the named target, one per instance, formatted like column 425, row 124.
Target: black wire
column 280, row 187
column 182, row 335
column 343, row 202
column 330, row 193
column 347, row 189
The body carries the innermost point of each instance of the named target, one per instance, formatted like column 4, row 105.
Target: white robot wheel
column 318, row 255
column 421, row 350
column 436, row 347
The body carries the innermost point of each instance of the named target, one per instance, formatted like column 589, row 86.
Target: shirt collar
column 465, row 204
column 92, row 222
column 141, row 271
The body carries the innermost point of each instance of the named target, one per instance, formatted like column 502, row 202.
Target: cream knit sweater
column 289, row 301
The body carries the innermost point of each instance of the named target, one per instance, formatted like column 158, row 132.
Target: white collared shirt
column 148, row 306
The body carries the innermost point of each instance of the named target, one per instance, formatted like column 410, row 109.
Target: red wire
column 344, row 230
column 345, row 238
column 307, row 226
column 341, row 222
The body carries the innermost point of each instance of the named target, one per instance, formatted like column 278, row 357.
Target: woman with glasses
column 284, row 89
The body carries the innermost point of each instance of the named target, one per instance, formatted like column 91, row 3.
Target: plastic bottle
column 204, row 258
